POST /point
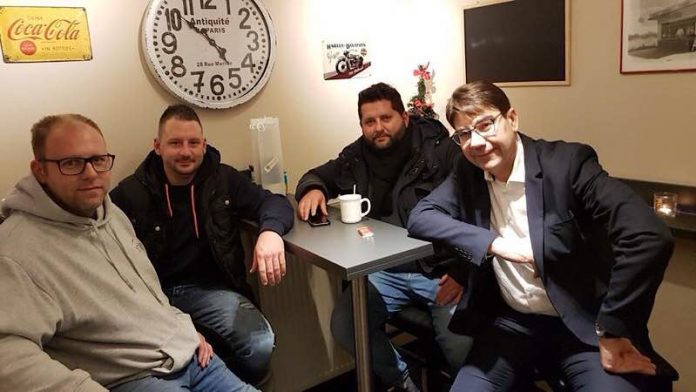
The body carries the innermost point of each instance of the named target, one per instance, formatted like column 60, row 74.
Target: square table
column 339, row 248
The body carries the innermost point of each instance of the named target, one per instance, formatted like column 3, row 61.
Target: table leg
column 362, row 339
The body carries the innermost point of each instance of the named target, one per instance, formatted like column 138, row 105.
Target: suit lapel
column 534, row 191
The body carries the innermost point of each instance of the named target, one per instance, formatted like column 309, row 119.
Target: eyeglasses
column 74, row 166
column 484, row 128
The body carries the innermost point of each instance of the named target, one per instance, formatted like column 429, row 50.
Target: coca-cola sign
column 33, row 34
column 55, row 30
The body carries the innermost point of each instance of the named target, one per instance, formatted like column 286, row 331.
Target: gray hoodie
column 80, row 304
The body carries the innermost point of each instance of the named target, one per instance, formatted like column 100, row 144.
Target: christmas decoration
column 421, row 104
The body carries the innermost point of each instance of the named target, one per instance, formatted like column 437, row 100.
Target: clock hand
column 221, row 51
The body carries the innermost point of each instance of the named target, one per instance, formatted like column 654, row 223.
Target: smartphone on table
column 318, row 219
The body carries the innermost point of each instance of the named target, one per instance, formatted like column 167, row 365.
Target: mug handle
column 369, row 206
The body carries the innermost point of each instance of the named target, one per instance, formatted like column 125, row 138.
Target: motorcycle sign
column 345, row 60
column 348, row 62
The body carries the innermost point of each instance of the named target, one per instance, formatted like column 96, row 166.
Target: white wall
column 317, row 117
column 640, row 124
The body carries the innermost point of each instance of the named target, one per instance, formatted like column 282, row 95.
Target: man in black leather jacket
column 186, row 208
column 397, row 161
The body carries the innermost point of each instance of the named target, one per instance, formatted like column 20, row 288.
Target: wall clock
column 210, row 53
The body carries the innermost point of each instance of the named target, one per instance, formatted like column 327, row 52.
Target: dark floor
column 346, row 383
column 342, row 383
column 437, row 382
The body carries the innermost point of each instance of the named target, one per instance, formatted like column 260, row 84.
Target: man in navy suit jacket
column 565, row 261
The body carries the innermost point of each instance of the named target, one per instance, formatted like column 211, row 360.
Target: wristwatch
column 602, row 333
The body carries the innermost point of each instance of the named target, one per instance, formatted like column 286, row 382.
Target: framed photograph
column 518, row 43
column 658, row 36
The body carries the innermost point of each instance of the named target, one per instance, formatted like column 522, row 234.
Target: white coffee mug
column 351, row 208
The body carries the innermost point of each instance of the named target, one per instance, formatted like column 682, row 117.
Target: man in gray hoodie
column 80, row 303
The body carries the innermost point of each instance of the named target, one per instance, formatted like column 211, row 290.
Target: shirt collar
column 518, row 172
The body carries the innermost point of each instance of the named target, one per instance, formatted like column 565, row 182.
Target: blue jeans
column 504, row 356
column 240, row 335
column 387, row 294
column 214, row 378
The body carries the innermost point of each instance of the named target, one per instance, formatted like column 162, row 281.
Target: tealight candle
column 665, row 203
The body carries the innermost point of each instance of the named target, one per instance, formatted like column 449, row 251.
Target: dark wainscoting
column 684, row 224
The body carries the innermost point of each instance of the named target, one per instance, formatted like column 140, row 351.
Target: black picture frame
column 518, row 43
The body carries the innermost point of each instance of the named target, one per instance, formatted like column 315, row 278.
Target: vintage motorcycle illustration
column 348, row 62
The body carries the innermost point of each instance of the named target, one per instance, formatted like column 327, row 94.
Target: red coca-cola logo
column 57, row 29
column 27, row 47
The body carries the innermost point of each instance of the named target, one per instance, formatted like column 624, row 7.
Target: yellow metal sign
column 32, row 34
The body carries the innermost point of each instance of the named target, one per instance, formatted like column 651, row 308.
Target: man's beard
column 394, row 141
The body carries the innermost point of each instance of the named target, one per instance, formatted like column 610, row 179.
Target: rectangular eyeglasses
column 485, row 128
column 73, row 166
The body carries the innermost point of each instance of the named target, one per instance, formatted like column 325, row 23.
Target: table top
column 339, row 248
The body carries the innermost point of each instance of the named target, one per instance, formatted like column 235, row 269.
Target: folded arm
column 437, row 218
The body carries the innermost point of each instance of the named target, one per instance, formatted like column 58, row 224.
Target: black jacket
column 433, row 155
column 223, row 197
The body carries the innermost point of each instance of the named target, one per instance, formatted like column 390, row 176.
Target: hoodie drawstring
column 169, row 203
column 193, row 209
column 94, row 231
column 193, row 206
column 114, row 236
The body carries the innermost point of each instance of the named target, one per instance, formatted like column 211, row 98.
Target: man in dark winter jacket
column 397, row 161
column 186, row 208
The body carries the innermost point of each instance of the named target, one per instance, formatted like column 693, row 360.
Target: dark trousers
column 504, row 358
column 389, row 293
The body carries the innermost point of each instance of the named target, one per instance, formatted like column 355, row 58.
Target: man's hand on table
column 311, row 202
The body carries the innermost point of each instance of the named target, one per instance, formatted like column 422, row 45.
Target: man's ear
column 406, row 118
column 156, row 145
column 514, row 120
column 39, row 171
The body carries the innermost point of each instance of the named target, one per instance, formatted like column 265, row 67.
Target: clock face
column 210, row 53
